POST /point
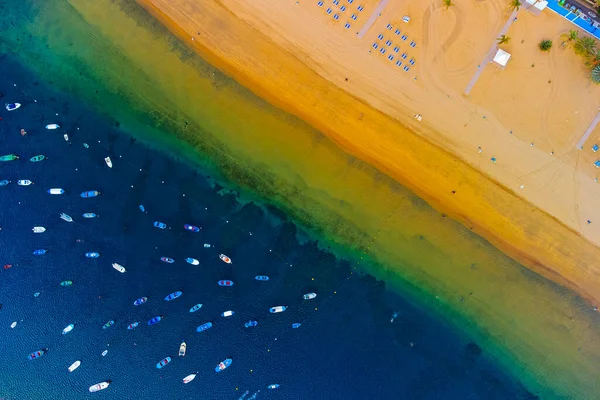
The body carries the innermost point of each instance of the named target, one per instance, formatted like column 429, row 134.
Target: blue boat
column 250, row 323
column 132, row 326
column 90, row 193
column 139, row 301
column 90, row 215
column 108, row 324
column 196, row 308
column 163, row 362
column 161, row 225
column 191, row 228
column 173, row 296
column 273, row 386
column 37, row 354
column 225, row 283
column 296, row 325
column 4, row 182
column 204, row 327
column 155, row 320
column 261, row 278
column 192, row 261
column 223, row 364
column 167, row 260
column 39, row 252
column 92, row 254
column 142, row 208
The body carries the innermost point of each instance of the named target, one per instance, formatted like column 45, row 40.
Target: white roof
column 530, row 1
column 540, row 5
column 501, row 57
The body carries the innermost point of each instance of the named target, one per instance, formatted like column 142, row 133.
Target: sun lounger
column 382, row 50
column 343, row 8
column 388, row 42
column 380, row 36
column 595, row 148
column 404, row 37
column 412, row 61
column 360, row 8
column 597, row 164
column 406, row 19
column 347, row 25
column 320, row 4
column 328, row 11
column 406, row 68
column 336, row 2
column 397, row 32
column 389, row 27
column 350, row 1
column 399, row 63
column 391, row 57
column 404, row 55
column 353, row 17
column 375, row 45
column 336, row 17
column 396, row 49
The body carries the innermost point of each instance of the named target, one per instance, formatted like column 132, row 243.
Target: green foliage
column 585, row 46
column 595, row 75
column 569, row 38
column 515, row 5
column 447, row 3
column 545, row 45
column 503, row 39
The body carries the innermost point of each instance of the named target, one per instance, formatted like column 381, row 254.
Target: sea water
column 346, row 347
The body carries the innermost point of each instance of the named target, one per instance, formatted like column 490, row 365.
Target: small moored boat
column 182, row 349
column 167, row 260
column 160, row 225
column 250, row 323
column 56, row 191
column 9, row 157
column 225, row 258
column 39, row 252
column 92, row 254
column 223, row 364
column 155, row 320
column 74, row 366
column 4, row 182
column 227, row 313
column 261, row 278
column 108, row 161
column 66, row 137
column 38, row 158
column 273, row 386
column 296, row 325
column 163, row 362
column 173, row 296
column 309, row 296
column 139, row 301
column 119, row 267
column 52, row 126
column 104, row 353
column 38, row 229
column 90, row 215
column 189, row 378
column 191, row 228
column 142, row 208
column 277, row 309
column 24, row 182
column 192, row 261
column 196, row 307
column 37, row 354
column 13, row 325
column 12, row 106
column 108, row 324
column 66, row 217
column 99, row 386
column 204, row 327
column 90, row 193
column 226, row 283
column 68, row 329
column 133, row 326
column 66, row 283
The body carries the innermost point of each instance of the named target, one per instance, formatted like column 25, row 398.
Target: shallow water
column 110, row 55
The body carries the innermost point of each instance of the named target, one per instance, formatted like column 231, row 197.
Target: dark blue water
column 345, row 348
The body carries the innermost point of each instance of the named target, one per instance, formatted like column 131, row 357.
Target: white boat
column 24, row 182
column 182, row 349
column 99, row 386
column 206, row 245
column 66, row 137
column 189, row 378
column 38, row 229
column 225, row 258
column 192, row 261
column 56, row 191
column 119, row 267
column 74, row 366
column 309, row 296
column 105, row 352
column 12, row 326
column 228, row 313
column 277, row 309
column 68, row 329
column 52, row 126
column 12, row 106
column 108, row 161
column 66, row 217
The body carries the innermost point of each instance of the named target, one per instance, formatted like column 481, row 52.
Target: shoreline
column 480, row 203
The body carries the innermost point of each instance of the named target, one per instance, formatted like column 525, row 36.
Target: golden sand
column 293, row 55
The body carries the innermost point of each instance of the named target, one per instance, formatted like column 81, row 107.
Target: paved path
column 378, row 10
column 491, row 53
column 589, row 131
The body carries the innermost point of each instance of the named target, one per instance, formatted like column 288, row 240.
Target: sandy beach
column 527, row 116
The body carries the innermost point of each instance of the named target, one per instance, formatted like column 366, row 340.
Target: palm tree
column 595, row 75
column 594, row 59
column 515, row 5
column 585, row 46
column 545, row 45
column 503, row 39
column 569, row 38
column 447, row 3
